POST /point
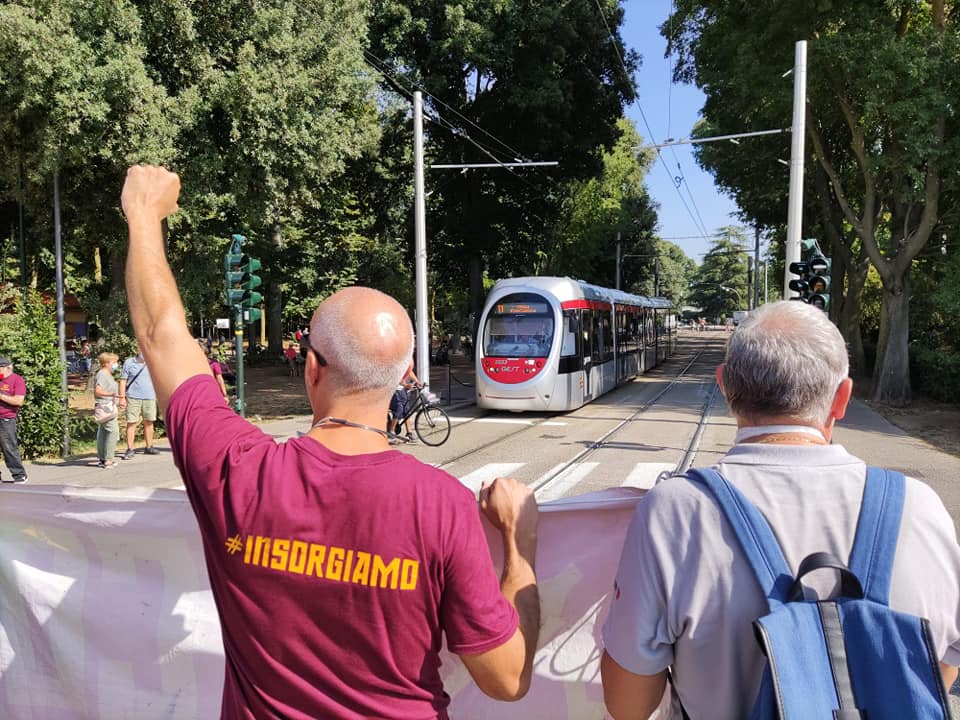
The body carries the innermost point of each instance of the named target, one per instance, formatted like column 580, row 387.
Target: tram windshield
column 519, row 325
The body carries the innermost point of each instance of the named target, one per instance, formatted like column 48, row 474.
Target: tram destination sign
column 521, row 308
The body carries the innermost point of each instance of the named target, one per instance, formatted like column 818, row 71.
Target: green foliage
column 545, row 80
column 720, row 283
column 28, row 336
column 596, row 210
column 936, row 373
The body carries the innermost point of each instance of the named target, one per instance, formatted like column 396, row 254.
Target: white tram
column 552, row 343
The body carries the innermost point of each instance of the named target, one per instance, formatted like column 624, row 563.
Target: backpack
column 850, row 657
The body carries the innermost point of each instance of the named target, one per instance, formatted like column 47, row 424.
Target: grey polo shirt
column 686, row 596
column 141, row 388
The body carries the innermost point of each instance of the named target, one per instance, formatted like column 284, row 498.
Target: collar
column 746, row 433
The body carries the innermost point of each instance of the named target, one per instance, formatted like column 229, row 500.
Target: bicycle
column 429, row 420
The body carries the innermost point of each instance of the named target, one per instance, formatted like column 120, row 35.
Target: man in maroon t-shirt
column 338, row 565
column 13, row 391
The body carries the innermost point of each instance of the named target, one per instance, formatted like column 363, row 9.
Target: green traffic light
column 251, row 315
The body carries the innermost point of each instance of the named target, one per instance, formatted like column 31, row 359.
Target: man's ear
column 841, row 399
column 719, row 375
column 312, row 371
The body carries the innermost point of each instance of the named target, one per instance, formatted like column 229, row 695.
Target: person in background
column 399, row 402
column 292, row 355
column 106, row 395
column 685, row 596
column 13, row 393
column 217, row 371
column 136, row 389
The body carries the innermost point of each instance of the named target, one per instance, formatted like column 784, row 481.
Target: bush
column 935, row 373
column 28, row 336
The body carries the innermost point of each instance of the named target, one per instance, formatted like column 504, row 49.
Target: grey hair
column 785, row 359
column 352, row 359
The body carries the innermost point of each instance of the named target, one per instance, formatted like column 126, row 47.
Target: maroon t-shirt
column 13, row 384
column 333, row 575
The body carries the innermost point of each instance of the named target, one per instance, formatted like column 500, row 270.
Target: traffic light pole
column 795, row 207
column 238, row 347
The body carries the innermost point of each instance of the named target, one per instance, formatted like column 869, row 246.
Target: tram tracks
column 592, row 448
column 607, row 438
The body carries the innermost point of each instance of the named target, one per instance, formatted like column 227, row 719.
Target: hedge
column 935, row 373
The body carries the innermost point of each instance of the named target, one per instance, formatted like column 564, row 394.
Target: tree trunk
column 275, row 304
column 891, row 374
column 848, row 318
column 475, row 271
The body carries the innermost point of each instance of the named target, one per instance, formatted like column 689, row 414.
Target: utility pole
column 420, row 243
column 795, row 209
column 61, row 324
column 756, row 265
column 420, row 230
column 617, row 286
column 23, row 249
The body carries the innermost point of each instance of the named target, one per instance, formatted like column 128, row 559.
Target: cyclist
column 399, row 404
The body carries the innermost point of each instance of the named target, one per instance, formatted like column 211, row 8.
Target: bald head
column 366, row 338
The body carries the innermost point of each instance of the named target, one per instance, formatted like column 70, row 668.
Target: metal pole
column 23, row 248
column 751, row 280
column 617, row 286
column 756, row 266
column 61, row 324
column 420, row 243
column 656, row 276
column 238, row 348
column 795, row 211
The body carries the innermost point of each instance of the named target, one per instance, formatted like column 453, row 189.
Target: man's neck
column 782, row 431
column 350, row 439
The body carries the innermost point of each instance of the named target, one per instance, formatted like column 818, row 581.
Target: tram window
column 606, row 334
column 586, row 329
column 569, row 341
column 519, row 326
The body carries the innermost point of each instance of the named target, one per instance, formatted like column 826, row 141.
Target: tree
column 596, row 212
column 881, row 82
column 544, row 79
column 720, row 283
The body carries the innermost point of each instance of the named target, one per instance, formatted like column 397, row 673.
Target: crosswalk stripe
column 563, row 483
column 644, row 475
column 488, row 472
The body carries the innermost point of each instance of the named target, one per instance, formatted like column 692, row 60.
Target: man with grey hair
column 685, row 595
column 337, row 564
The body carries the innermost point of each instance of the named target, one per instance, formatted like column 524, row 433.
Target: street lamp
column 735, row 292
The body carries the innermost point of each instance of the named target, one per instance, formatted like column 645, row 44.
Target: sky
column 671, row 111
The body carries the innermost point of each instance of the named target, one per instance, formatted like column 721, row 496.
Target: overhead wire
column 433, row 115
column 650, row 134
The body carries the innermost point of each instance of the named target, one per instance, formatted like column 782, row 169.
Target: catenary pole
column 795, row 209
column 420, row 243
column 61, row 324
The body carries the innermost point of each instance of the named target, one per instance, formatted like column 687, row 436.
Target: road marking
column 565, row 481
column 644, row 475
column 518, row 421
column 488, row 472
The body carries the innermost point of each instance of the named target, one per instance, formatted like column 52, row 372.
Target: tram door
column 586, row 343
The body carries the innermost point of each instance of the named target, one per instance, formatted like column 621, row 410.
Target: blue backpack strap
column 878, row 526
column 754, row 534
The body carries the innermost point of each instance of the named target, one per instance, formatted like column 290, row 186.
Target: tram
column 554, row 343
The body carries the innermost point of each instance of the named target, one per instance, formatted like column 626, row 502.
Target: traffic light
column 234, row 275
column 801, row 284
column 820, row 282
column 242, row 281
column 250, row 282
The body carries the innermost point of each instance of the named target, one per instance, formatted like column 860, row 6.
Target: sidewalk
column 452, row 383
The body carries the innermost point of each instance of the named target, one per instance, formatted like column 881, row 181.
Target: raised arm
column 149, row 196
column 504, row 673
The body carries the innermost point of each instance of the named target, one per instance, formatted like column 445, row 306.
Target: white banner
column 106, row 611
